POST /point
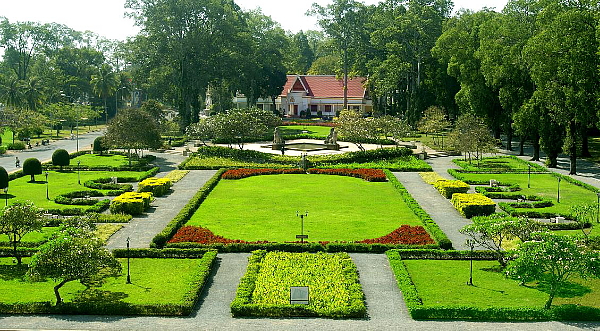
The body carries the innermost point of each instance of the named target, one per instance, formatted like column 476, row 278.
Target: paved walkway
column 142, row 229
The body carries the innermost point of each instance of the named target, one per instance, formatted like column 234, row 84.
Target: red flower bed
column 328, row 124
column 243, row 173
column 204, row 236
column 406, row 234
column 370, row 175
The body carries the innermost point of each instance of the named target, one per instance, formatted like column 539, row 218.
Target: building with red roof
column 322, row 94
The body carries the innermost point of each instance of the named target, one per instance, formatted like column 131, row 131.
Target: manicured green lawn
column 545, row 186
column 332, row 279
column 153, row 281
column 33, row 237
column 494, row 164
column 405, row 163
column 58, row 183
column 444, row 283
column 95, row 160
column 339, row 208
column 318, row 132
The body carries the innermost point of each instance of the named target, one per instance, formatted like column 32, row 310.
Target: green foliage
column 32, row 167
column 133, row 129
column 61, row 158
column 16, row 146
column 471, row 136
column 448, row 187
column 3, row 178
column 554, row 260
column 99, row 145
column 335, row 290
column 17, row 220
column 132, row 203
column 470, row 205
column 67, row 258
column 157, row 186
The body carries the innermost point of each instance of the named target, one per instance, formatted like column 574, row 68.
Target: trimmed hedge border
column 123, row 308
column 313, row 247
column 165, row 253
column 473, row 204
column 186, row 212
column 436, row 233
column 536, row 168
column 419, row 312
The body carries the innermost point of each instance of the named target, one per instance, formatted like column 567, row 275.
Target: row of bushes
column 470, row 205
column 165, row 253
column 78, row 198
column 244, row 173
column 434, row 230
column 370, row 175
column 186, row 212
column 418, row 311
column 98, row 207
column 448, row 187
column 512, row 211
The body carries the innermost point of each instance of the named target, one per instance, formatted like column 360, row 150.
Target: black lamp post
column 597, row 204
column 46, row 174
column 128, row 273
column 302, row 216
column 529, row 176
column 558, row 190
column 78, row 178
column 6, row 196
column 471, row 244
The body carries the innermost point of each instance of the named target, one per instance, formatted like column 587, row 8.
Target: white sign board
column 299, row 295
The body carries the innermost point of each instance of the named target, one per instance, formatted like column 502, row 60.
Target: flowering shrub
column 203, row 236
column 449, row 187
column 470, row 205
column 131, row 203
column 406, row 234
column 158, row 186
column 243, row 173
column 370, row 175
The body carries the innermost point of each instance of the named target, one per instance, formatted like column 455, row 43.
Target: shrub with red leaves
column 370, row 175
column 205, row 236
column 406, row 234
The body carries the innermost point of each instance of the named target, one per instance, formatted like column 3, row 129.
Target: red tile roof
column 324, row 86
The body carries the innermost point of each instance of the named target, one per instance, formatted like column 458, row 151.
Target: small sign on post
column 299, row 295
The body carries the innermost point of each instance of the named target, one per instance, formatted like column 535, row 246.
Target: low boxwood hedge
column 157, row 186
column 132, row 203
column 332, row 247
column 448, row 187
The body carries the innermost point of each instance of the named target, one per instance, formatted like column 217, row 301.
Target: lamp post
column 471, row 244
column 529, row 176
column 302, row 216
column 46, row 174
column 558, row 191
column 597, row 204
column 6, row 196
column 78, row 169
column 128, row 273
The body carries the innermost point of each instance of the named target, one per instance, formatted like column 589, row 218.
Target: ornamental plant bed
column 332, row 279
column 370, row 175
column 404, row 235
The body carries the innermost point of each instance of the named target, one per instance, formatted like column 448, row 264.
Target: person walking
column 17, row 162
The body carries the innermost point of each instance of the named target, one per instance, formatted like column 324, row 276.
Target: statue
column 332, row 137
column 277, row 137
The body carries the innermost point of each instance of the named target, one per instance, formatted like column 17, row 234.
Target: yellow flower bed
column 431, row 177
column 158, row 186
column 470, row 205
column 133, row 203
column 449, row 187
column 176, row 175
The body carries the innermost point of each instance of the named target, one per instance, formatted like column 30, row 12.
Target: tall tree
column 104, row 83
column 19, row 219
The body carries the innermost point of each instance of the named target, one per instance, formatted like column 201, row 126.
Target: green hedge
column 434, row 230
column 98, row 207
column 449, row 187
column 186, row 212
column 512, row 211
column 166, row 253
column 157, row 186
column 132, row 203
column 470, row 205
column 332, row 247
column 418, row 311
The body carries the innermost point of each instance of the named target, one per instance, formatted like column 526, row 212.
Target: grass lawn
column 106, row 160
column 339, row 208
column 444, row 283
column 404, row 163
column 153, row 281
column 32, row 237
column 545, row 186
column 500, row 164
column 318, row 132
column 58, row 183
column 334, row 290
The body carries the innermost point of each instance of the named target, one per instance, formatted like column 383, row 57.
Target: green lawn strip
column 58, row 183
column 340, row 208
column 404, row 163
column 332, row 279
column 499, row 164
column 32, row 239
column 544, row 186
column 312, row 131
column 437, row 289
column 159, row 286
column 105, row 160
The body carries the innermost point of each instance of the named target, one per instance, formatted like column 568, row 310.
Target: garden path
column 439, row 208
column 142, row 229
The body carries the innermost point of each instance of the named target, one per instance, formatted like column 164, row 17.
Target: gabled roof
column 324, row 86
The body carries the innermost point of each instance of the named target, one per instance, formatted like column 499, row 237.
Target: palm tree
column 104, row 83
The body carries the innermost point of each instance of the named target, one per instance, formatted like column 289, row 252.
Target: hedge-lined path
column 439, row 208
column 386, row 308
column 141, row 230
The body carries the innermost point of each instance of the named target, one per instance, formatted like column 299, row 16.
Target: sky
column 106, row 18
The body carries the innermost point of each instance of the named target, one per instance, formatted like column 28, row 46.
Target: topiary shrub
column 158, row 186
column 3, row 178
column 470, row 205
column 99, row 145
column 449, row 187
column 131, row 203
column 32, row 167
column 61, row 158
